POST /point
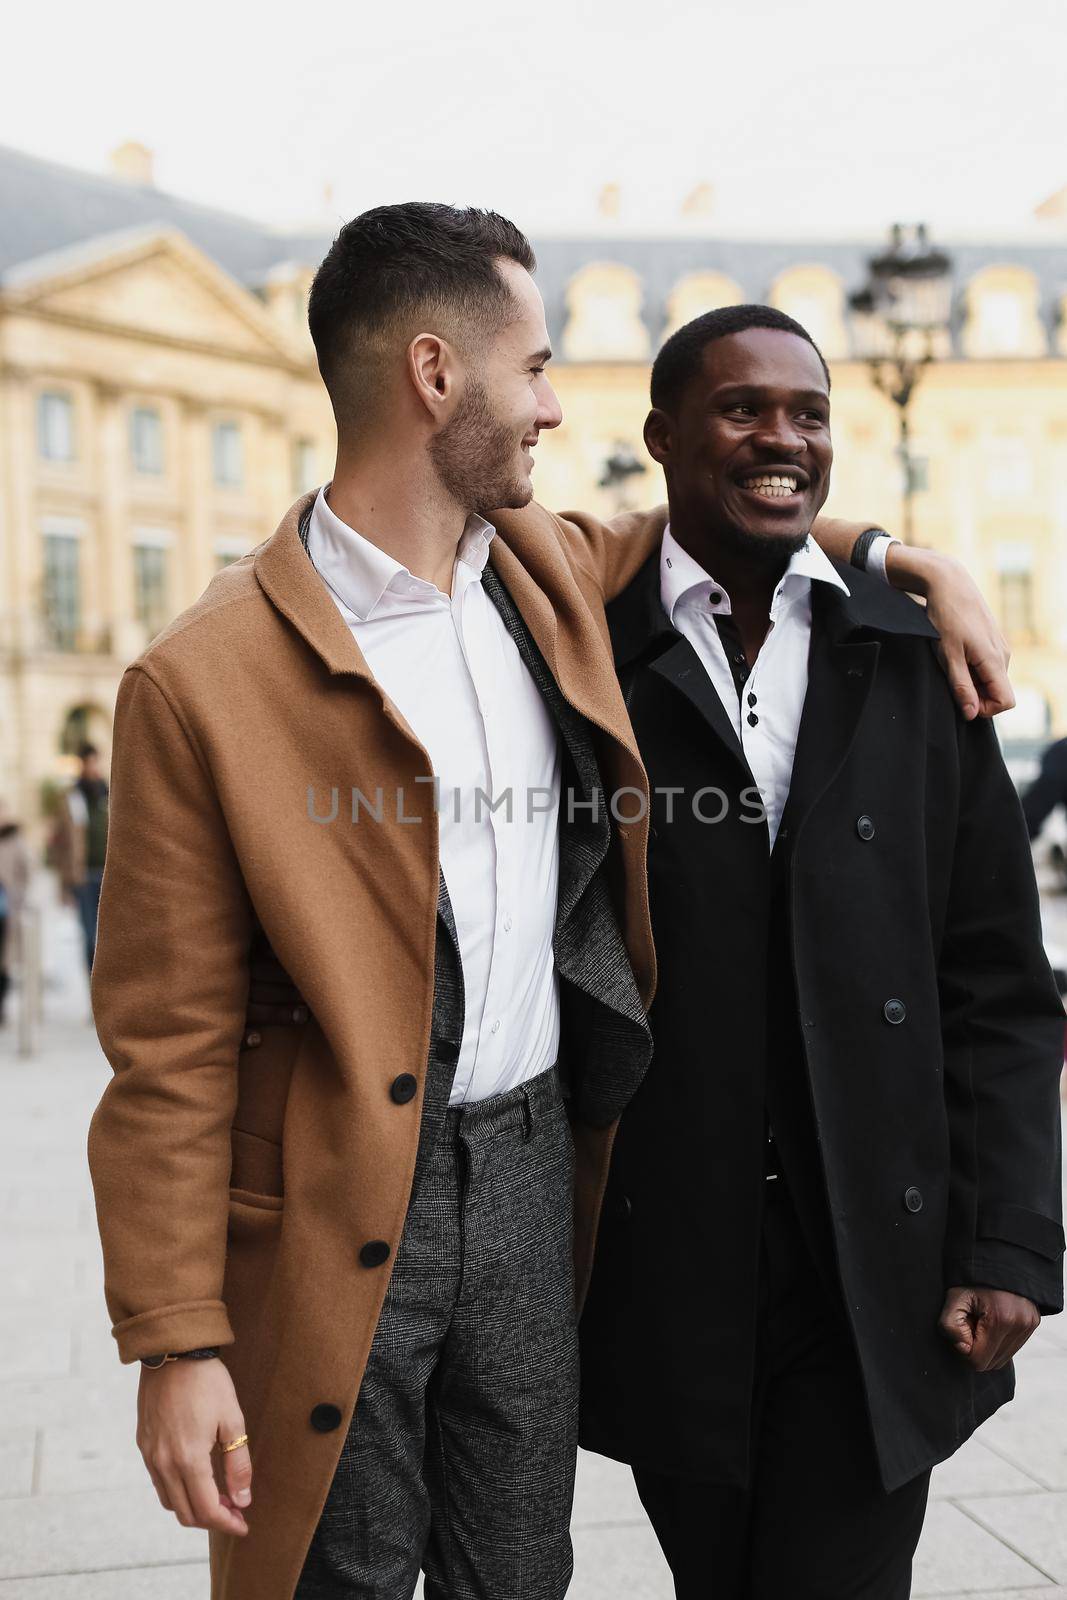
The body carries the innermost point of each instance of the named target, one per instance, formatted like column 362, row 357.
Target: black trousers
column 815, row 1522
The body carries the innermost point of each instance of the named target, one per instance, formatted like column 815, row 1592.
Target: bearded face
column 480, row 457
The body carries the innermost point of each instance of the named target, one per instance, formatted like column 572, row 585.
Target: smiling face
column 484, row 455
column 746, row 451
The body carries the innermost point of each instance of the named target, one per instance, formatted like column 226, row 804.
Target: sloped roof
column 47, row 208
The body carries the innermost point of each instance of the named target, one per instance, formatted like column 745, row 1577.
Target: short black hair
column 680, row 358
column 86, row 750
column 394, row 265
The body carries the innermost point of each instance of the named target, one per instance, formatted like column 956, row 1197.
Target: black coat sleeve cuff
column 997, row 1265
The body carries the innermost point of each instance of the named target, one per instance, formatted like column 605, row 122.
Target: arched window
column 1003, row 314
column 85, row 724
column 814, row 297
column 604, row 315
column 698, row 292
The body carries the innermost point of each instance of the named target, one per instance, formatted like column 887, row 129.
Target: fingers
column 958, row 673
column 208, row 1509
column 956, row 1321
column 236, row 1472
column 992, row 684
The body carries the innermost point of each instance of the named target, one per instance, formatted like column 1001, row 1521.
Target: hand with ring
column 191, row 1435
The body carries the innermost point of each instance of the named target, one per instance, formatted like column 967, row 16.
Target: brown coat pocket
column 256, row 1176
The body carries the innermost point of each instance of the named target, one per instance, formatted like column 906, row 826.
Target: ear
column 659, row 436
column 434, row 371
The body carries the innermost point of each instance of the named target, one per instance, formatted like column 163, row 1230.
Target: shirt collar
column 361, row 573
column 682, row 577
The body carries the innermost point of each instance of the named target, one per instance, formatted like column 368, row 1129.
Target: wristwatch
column 862, row 547
column 153, row 1362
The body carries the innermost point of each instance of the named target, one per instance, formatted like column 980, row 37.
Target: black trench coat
column 927, row 1024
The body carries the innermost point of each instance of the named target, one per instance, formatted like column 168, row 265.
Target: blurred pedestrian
column 14, row 881
column 1048, row 790
column 79, row 843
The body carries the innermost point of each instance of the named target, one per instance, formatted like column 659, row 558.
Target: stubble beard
column 475, row 455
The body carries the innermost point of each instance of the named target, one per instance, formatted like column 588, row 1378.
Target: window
column 55, row 427
column 1009, row 469
column 61, row 591
column 146, row 440
column 150, row 599
column 228, row 452
column 305, row 466
column 1016, row 578
column 1017, row 606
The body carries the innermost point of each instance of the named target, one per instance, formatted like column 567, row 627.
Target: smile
column 772, row 485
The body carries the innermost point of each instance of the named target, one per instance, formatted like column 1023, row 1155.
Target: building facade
column 160, row 409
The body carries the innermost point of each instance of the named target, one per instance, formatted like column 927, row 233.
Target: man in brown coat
column 371, row 1038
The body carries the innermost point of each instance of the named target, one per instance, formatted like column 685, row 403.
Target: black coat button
column 445, row 1050
column 375, row 1253
column 325, row 1418
column 913, row 1200
column 894, row 1011
column 865, row 827
column 404, row 1088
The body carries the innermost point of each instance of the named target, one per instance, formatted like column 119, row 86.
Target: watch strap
column 204, row 1354
column 862, row 547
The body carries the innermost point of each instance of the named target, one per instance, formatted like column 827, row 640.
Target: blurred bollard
column 30, row 1000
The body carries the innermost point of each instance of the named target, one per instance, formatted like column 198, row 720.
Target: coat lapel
column 641, row 635
column 842, row 667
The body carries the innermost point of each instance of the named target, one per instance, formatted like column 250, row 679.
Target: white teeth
column 772, row 486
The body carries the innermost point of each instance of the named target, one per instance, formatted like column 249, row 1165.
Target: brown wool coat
column 240, row 1164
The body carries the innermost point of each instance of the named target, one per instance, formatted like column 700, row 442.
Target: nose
column 549, row 410
column 779, row 433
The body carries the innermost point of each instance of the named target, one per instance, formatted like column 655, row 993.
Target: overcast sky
column 832, row 117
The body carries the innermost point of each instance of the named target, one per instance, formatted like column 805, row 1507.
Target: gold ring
column 234, row 1444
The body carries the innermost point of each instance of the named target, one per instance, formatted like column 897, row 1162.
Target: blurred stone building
column 160, row 409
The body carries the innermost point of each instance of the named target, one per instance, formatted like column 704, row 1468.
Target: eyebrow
column 761, row 389
column 541, row 357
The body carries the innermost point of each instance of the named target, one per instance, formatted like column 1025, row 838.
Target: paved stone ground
column 79, row 1520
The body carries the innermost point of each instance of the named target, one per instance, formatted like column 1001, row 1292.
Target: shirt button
column 496, row 1027
column 507, row 924
column 715, row 598
column 752, row 699
column 252, row 1038
column 375, row 1253
column 752, row 719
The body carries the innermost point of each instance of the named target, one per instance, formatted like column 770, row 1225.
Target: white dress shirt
column 766, row 716
column 453, row 671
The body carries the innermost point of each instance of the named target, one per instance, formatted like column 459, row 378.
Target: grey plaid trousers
column 461, row 1454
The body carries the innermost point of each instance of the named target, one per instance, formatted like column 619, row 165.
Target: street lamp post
column 896, row 317
column 617, row 470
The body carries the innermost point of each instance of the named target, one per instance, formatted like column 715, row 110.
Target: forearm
column 836, row 536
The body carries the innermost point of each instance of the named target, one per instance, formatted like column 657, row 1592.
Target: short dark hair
column 394, row 265
column 679, row 360
column 86, row 750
